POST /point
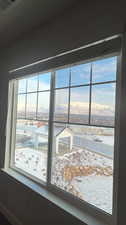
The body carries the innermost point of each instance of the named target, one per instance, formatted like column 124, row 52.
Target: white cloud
column 83, row 108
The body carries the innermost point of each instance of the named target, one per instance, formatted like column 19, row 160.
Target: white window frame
column 10, row 136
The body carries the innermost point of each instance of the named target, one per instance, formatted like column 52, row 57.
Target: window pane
column 43, row 105
column 44, row 81
column 32, row 147
column 82, row 163
column 62, row 78
column 103, row 104
column 79, row 105
column 104, row 70
column 31, row 106
column 80, row 74
column 32, row 84
column 22, row 86
column 21, row 106
column 61, row 105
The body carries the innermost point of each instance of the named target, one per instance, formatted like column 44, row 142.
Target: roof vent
column 4, row 4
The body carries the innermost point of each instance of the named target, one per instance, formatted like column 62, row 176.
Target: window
column 63, row 129
column 82, row 162
column 31, row 132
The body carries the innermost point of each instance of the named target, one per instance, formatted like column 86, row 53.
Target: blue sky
column 61, row 100
column 32, row 83
column 79, row 100
column 44, row 81
column 104, row 70
column 80, row 74
column 62, row 78
column 103, row 99
column 102, row 95
column 43, row 106
column 22, row 86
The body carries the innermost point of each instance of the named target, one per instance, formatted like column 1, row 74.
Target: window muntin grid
column 89, row 82
column 69, row 87
column 31, row 95
column 31, row 131
column 101, row 130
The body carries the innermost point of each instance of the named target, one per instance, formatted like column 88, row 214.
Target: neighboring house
column 65, row 132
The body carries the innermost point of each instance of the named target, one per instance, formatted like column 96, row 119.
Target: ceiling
column 20, row 16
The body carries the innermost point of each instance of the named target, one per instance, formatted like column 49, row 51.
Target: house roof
column 60, row 132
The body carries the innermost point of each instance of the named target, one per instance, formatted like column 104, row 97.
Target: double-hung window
column 63, row 128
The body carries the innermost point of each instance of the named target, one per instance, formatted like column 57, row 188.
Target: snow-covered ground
column 94, row 188
column 85, row 170
column 32, row 161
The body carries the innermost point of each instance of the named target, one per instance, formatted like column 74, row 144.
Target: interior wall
column 84, row 24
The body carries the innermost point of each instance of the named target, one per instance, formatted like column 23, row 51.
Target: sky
column 32, row 86
column 103, row 95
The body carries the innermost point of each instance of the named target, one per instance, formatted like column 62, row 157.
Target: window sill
column 71, row 209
